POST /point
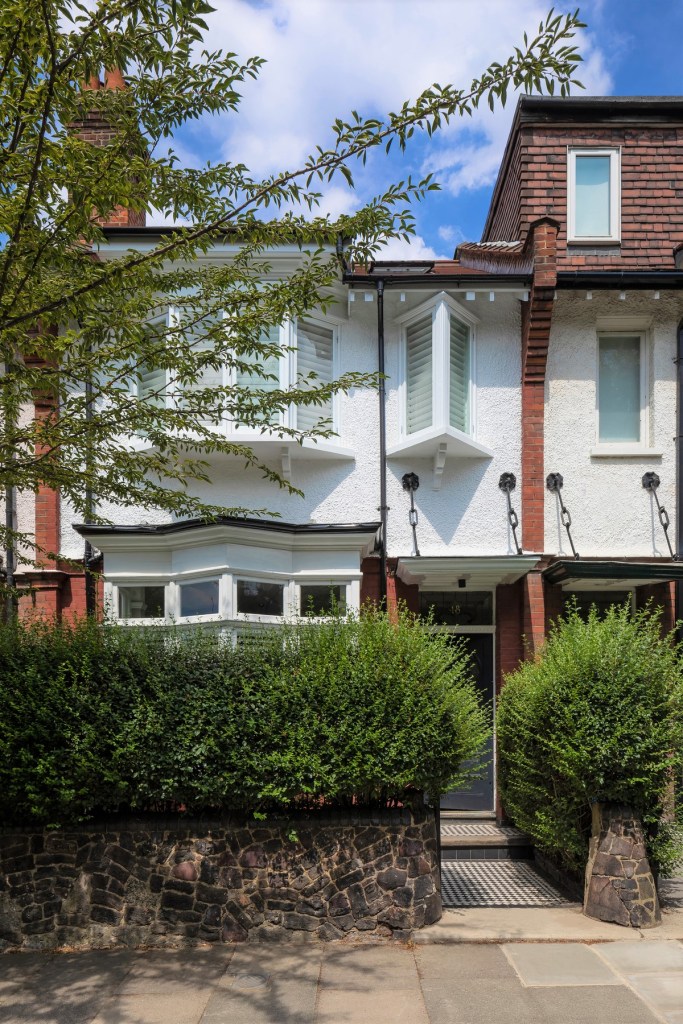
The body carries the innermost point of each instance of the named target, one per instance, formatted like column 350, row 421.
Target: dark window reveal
column 458, row 607
column 142, row 602
column 255, row 598
column 322, row 599
column 602, row 599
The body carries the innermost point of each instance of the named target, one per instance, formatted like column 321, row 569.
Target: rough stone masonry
column 619, row 882
column 174, row 882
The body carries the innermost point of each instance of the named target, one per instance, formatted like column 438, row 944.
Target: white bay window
column 436, row 391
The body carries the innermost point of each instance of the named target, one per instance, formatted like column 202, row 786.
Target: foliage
column 54, row 184
column 598, row 716
column 354, row 709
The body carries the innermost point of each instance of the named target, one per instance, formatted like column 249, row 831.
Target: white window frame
column 442, row 307
column 346, row 585
column 614, row 153
column 145, row 581
column 175, row 588
column 625, row 447
column 287, row 596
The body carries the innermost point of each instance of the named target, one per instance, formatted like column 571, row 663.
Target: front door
column 479, row 796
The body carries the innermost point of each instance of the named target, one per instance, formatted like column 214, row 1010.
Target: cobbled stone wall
column 619, row 882
column 175, row 882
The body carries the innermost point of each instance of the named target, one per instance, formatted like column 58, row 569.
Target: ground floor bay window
column 233, row 574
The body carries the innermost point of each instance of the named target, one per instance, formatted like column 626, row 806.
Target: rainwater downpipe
column 679, row 472
column 88, row 559
column 383, row 509
column 10, row 505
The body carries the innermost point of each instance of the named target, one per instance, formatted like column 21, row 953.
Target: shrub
column 352, row 710
column 597, row 717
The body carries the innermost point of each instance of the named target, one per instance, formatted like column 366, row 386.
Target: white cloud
column 415, row 249
column 327, row 57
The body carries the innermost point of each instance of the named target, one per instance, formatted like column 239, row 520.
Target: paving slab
column 663, row 992
column 642, row 957
column 267, row 985
column 169, row 971
column 446, row 963
column 366, row 968
column 554, row 964
column 154, row 1008
column 488, row 1001
column 398, row 1005
column 590, row 1005
column 538, row 924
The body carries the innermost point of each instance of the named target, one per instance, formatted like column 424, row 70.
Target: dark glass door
column 479, row 796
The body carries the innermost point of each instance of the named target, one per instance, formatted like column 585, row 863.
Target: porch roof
column 444, row 572
column 603, row 573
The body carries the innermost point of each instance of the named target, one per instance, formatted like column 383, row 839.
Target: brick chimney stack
column 95, row 129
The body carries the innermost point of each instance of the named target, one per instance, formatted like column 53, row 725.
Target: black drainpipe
column 383, row 509
column 88, row 559
column 679, row 471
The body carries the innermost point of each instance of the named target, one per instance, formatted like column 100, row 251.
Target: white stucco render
column 612, row 515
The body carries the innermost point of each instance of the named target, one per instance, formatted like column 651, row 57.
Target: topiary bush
column 354, row 710
column 596, row 717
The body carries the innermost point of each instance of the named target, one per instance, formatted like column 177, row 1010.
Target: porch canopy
column 604, row 573
column 473, row 572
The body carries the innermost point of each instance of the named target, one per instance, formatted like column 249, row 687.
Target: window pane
column 419, row 375
column 314, row 345
column 152, row 384
column 619, row 388
column 592, row 199
column 199, row 598
column 142, row 602
column 260, row 598
column 262, row 373
column 211, row 375
column 460, row 375
column 458, row 607
column 320, row 599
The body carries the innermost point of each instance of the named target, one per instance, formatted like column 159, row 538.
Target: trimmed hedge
column 105, row 719
column 597, row 717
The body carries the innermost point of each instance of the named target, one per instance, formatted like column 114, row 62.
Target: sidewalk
column 631, row 981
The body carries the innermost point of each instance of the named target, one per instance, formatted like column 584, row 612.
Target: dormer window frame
column 442, row 307
column 614, row 235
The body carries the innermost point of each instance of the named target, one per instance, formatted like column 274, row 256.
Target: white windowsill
column 426, row 443
column 624, row 451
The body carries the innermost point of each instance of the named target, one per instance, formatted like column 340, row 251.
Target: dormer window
column 437, row 348
column 594, row 195
column 436, row 390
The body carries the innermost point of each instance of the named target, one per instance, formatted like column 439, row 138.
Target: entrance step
column 447, row 816
column 474, row 839
column 479, row 883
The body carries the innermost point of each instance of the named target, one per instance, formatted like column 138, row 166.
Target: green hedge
column 357, row 710
column 596, row 717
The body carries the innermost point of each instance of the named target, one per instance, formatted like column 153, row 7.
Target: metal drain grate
column 481, row 883
column 479, row 829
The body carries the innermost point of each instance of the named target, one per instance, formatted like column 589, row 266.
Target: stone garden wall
column 174, row 882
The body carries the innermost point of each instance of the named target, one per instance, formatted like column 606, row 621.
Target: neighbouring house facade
column 531, row 384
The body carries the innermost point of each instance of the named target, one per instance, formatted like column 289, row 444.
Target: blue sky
column 326, row 57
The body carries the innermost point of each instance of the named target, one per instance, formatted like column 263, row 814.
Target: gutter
column 622, row 279
column 464, row 282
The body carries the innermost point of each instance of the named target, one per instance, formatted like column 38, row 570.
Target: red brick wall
column 664, row 596
column 535, row 186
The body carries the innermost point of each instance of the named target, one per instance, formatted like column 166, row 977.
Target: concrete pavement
column 631, row 981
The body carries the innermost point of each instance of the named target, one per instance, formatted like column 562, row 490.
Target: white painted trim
column 624, row 451
column 614, row 153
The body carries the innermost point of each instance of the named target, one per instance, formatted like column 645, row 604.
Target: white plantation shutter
column 459, row 375
column 314, row 350
column 152, row 384
column 419, row 374
column 254, row 376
